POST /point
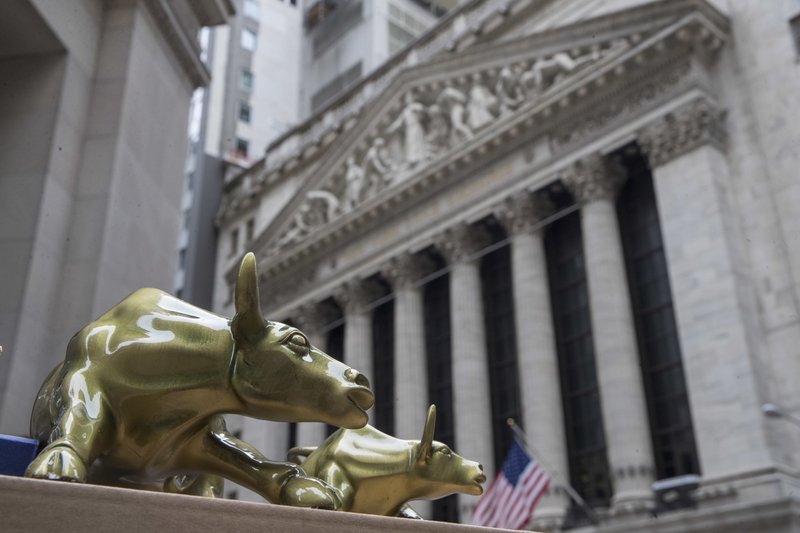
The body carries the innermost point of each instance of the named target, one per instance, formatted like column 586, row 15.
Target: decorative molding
column 597, row 87
column 458, row 243
column 355, row 295
column 594, row 178
column 432, row 121
column 621, row 108
column 522, row 212
column 406, row 269
column 695, row 124
column 312, row 317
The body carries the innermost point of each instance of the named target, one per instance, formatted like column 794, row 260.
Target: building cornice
column 181, row 34
column 655, row 67
column 459, row 31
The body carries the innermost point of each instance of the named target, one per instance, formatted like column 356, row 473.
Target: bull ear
column 426, row 444
column 248, row 322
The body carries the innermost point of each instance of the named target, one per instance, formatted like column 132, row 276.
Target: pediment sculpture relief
column 430, row 122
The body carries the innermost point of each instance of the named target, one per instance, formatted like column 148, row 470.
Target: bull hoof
column 204, row 485
column 59, row 463
column 302, row 491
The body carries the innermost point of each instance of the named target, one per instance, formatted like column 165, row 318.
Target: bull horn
column 248, row 323
column 426, row 444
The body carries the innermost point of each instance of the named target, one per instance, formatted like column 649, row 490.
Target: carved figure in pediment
column 481, row 103
column 410, row 121
column 547, row 71
column 438, row 129
column 509, row 89
column 454, row 101
column 354, row 184
column 319, row 208
column 377, row 169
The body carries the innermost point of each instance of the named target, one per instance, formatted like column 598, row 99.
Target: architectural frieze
column 404, row 270
column 354, row 295
column 447, row 112
column 461, row 241
column 592, row 178
column 695, row 124
column 523, row 212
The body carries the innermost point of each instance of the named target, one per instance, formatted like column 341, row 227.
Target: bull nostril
column 480, row 467
column 354, row 376
column 362, row 380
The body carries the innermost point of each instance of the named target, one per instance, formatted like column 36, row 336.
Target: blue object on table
column 16, row 453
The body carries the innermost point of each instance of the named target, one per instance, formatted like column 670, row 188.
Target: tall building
column 273, row 63
column 579, row 214
column 94, row 97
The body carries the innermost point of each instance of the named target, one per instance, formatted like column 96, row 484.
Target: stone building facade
column 94, row 99
column 583, row 215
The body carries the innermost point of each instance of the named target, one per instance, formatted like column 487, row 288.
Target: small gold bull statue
column 141, row 393
column 375, row 473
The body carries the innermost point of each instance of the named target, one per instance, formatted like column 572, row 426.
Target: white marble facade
column 505, row 101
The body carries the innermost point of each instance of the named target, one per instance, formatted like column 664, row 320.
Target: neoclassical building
column 584, row 215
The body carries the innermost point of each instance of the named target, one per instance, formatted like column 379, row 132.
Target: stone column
column 543, row 417
column 472, row 402
column 711, row 289
column 410, row 371
column 354, row 297
column 594, row 182
column 311, row 318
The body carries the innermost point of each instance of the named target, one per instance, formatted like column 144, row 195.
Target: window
column 292, row 436
column 242, row 147
column 246, row 79
column 583, row 420
column 436, row 297
column 252, row 9
column 651, row 302
column 244, row 112
column 250, row 229
column 794, row 26
column 234, row 247
column 498, row 314
column 404, row 27
column 248, row 40
column 336, row 86
column 335, row 348
column 383, row 366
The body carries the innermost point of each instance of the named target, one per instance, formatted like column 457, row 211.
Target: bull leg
column 77, row 436
column 219, row 452
column 206, row 485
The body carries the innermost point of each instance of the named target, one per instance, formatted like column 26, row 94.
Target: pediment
column 461, row 101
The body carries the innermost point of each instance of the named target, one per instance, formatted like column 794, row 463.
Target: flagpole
column 571, row 492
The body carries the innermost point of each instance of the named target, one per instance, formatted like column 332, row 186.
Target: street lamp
column 772, row 410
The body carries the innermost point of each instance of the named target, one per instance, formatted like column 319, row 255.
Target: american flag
column 511, row 497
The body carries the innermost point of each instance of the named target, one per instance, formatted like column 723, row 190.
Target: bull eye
column 298, row 344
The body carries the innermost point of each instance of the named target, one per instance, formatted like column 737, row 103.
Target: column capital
column 458, row 242
column 405, row 269
column 354, row 295
column 688, row 127
column 521, row 212
column 593, row 177
column 312, row 316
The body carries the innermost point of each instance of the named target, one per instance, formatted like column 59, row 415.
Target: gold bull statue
column 140, row 395
column 375, row 473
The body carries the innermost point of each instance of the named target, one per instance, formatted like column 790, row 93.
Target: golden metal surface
column 376, row 473
column 140, row 395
